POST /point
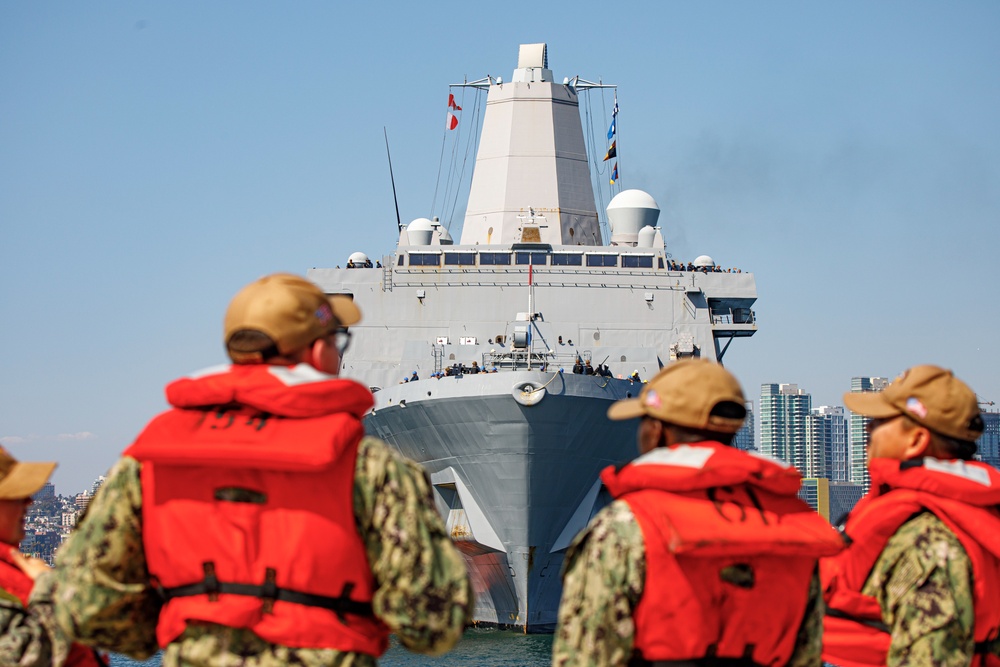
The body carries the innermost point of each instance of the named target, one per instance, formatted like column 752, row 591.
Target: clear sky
column 154, row 157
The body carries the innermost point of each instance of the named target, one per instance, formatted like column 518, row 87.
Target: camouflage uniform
column 603, row 578
column 422, row 591
column 923, row 583
column 30, row 637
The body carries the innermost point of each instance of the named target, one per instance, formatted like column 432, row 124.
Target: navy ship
column 514, row 341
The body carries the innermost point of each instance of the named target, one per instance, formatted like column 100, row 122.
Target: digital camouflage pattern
column 30, row 637
column 923, row 582
column 603, row 577
column 423, row 593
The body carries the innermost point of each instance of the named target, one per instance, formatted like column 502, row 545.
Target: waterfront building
column 744, row 439
column 816, row 492
column 857, row 435
column 784, row 425
column 843, row 496
column 47, row 492
column 829, row 441
column 989, row 442
column 81, row 500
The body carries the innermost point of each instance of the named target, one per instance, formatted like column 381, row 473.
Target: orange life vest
column 725, row 538
column 17, row 583
column 965, row 495
column 248, row 513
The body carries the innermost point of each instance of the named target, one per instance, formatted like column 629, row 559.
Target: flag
column 611, row 130
column 452, row 121
column 614, row 174
column 614, row 114
column 451, row 103
column 612, row 152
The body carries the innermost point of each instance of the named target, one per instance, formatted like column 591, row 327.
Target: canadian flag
column 451, row 103
column 452, row 121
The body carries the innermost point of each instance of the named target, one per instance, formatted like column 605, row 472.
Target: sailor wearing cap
column 254, row 523
column 28, row 635
column 706, row 555
column 920, row 582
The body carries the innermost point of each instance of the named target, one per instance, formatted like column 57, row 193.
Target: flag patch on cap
column 914, row 406
column 324, row 314
column 652, row 399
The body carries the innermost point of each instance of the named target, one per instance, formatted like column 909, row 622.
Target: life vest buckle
column 269, row 591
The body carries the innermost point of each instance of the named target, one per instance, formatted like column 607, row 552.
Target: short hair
column 683, row 434
column 248, row 342
column 943, row 444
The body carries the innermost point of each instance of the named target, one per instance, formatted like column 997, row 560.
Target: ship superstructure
column 494, row 326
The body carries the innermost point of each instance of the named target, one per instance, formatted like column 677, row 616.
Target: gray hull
column 515, row 482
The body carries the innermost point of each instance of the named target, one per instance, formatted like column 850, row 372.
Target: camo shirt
column 603, row 578
column 30, row 637
column 923, row 582
column 423, row 593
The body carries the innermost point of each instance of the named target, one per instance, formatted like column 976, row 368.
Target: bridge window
column 460, row 258
column 602, row 260
column 567, row 259
column 536, row 258
column 494, row 258
column 637, row 261
column 425, row 259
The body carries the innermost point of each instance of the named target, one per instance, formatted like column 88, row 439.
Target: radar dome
column 646, row 237
column 420, row 231
column 628, row 212
column 359, row 258
column 701, row 261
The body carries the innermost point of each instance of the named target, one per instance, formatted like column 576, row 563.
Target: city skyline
column 158, row 156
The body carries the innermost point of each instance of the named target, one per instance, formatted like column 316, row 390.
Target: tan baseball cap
column 689, row 393
column 290, row 310
column 929, row 395
column 21, row 480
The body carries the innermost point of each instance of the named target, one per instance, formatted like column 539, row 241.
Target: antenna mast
column 399, row 222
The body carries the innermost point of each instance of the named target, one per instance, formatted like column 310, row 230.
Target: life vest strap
column 269, row 592
column 878, row 625
column 710, row 660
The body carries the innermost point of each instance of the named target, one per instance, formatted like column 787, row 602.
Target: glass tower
column 785, row 425
column 858, row 436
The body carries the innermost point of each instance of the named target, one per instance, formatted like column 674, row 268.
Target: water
column 478, row 648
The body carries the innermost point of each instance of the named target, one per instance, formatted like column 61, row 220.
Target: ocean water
column 478, row 648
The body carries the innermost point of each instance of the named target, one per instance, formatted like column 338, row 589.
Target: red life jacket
column 726, row 538
column 248, row 512
column 17, row 583
column 965, row 495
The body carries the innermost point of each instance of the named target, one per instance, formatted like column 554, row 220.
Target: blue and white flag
column 611, row 130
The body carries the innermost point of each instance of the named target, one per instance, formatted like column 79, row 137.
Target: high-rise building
column 784, row 425
column 829, row 442
column 989, row 442
column 745, row 436
column 857, row 435
column 843, row 497
column 816, row 492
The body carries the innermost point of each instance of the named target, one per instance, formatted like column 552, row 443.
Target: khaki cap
column 929, row 395
column 21, row 480
column 290, row 310
column 686, row 393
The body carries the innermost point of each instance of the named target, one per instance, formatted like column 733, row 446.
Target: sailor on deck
column 278, row 533
column 706, row 556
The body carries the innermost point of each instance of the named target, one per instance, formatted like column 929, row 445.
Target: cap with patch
column 21, row 480
column 290, row 310
column 929, row 395
column 694, row 393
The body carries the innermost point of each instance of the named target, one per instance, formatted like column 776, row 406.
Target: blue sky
column 154, row 157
